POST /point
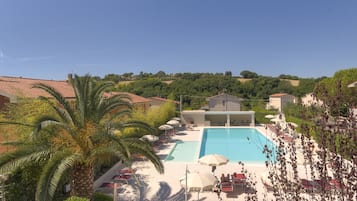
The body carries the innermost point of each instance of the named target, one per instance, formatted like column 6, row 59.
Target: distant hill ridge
column 294, row 83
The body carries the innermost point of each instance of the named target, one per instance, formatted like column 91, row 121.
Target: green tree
column 156, row 116
column 112, row 77
column 127, row 76
column 248, row 74
column 160, row 74
column 337, row 87
column 305, row 86
column 289, row 77
column 147, row 88
column 79, row 136
column 228, row 73
column 25, row 110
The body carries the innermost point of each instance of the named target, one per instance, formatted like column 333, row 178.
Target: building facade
column 222, row 110
column 309, row 100
column 279, row 100
column 224, row 102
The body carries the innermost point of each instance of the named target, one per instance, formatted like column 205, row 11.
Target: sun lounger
column 310, row 185
column 267, row 185
column 319, row 185
column 238, row 178
column 127, row 171
column 109, row 185
column 227, row 187
column 122, row 177
column 287, row 138
column 336, row 185
column 225, row 178
column 323, row 185
column 107, row 188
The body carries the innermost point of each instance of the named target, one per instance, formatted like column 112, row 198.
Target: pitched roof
column 278, row 95
column 353, row 84
column 163, row 99
column 224, row 95
column 23, row 87
column 133, row 97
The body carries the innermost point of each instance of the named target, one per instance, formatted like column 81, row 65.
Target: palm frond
column 87, row 126
column 121, row 113
column 62, row 113
column 44, row 121
column 111, row 105
column 19, row 158
column 81, row 86
column 122, row 96
column 52, row 174
column 59, row 98
column 107, row 152
column 144, row 148
column 136, row 124
column 97, row 94
column 120, row 145
column 13, row 143
column 16, row 123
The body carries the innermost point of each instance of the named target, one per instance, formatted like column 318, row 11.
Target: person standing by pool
column 218, row 190
column 213, row 168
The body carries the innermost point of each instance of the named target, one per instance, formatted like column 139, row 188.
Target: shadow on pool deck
column 181, row 133
column 163, row 194
column 238, row 190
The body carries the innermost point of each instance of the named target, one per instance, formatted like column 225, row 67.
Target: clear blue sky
column 49, row 39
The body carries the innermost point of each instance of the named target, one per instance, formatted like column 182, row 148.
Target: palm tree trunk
column 83, row 179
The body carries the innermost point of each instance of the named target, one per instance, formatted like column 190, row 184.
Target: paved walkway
column 165, row 187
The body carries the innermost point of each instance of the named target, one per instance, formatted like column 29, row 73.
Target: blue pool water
column 237, row 144
column 184, row 152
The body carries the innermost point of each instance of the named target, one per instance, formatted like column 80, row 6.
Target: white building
column 309, row 100
column 223, row 110
column 224, row 102
column 279, row 100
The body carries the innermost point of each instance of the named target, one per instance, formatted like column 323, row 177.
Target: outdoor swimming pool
column 184, row 152
column 237, row 144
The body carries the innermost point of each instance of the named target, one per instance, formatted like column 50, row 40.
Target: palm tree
column 79, row 135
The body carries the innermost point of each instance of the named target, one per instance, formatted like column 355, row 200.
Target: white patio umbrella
column 269, row 116
column 176, row 118
column 275, row 120
column 165, row 127
column 173, row 122
column 293, row 124
column 198, row 182
column 213, row 160
column 150, row 138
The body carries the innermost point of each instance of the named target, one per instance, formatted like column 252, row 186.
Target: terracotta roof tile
column 23, row 87
column 163, row 99
column 134, row 98
column 278, row 95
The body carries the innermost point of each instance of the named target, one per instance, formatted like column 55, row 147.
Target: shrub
column 101, row 197
column 75, row 198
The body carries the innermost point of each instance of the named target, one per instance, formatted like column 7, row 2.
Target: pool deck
column 167, row 187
